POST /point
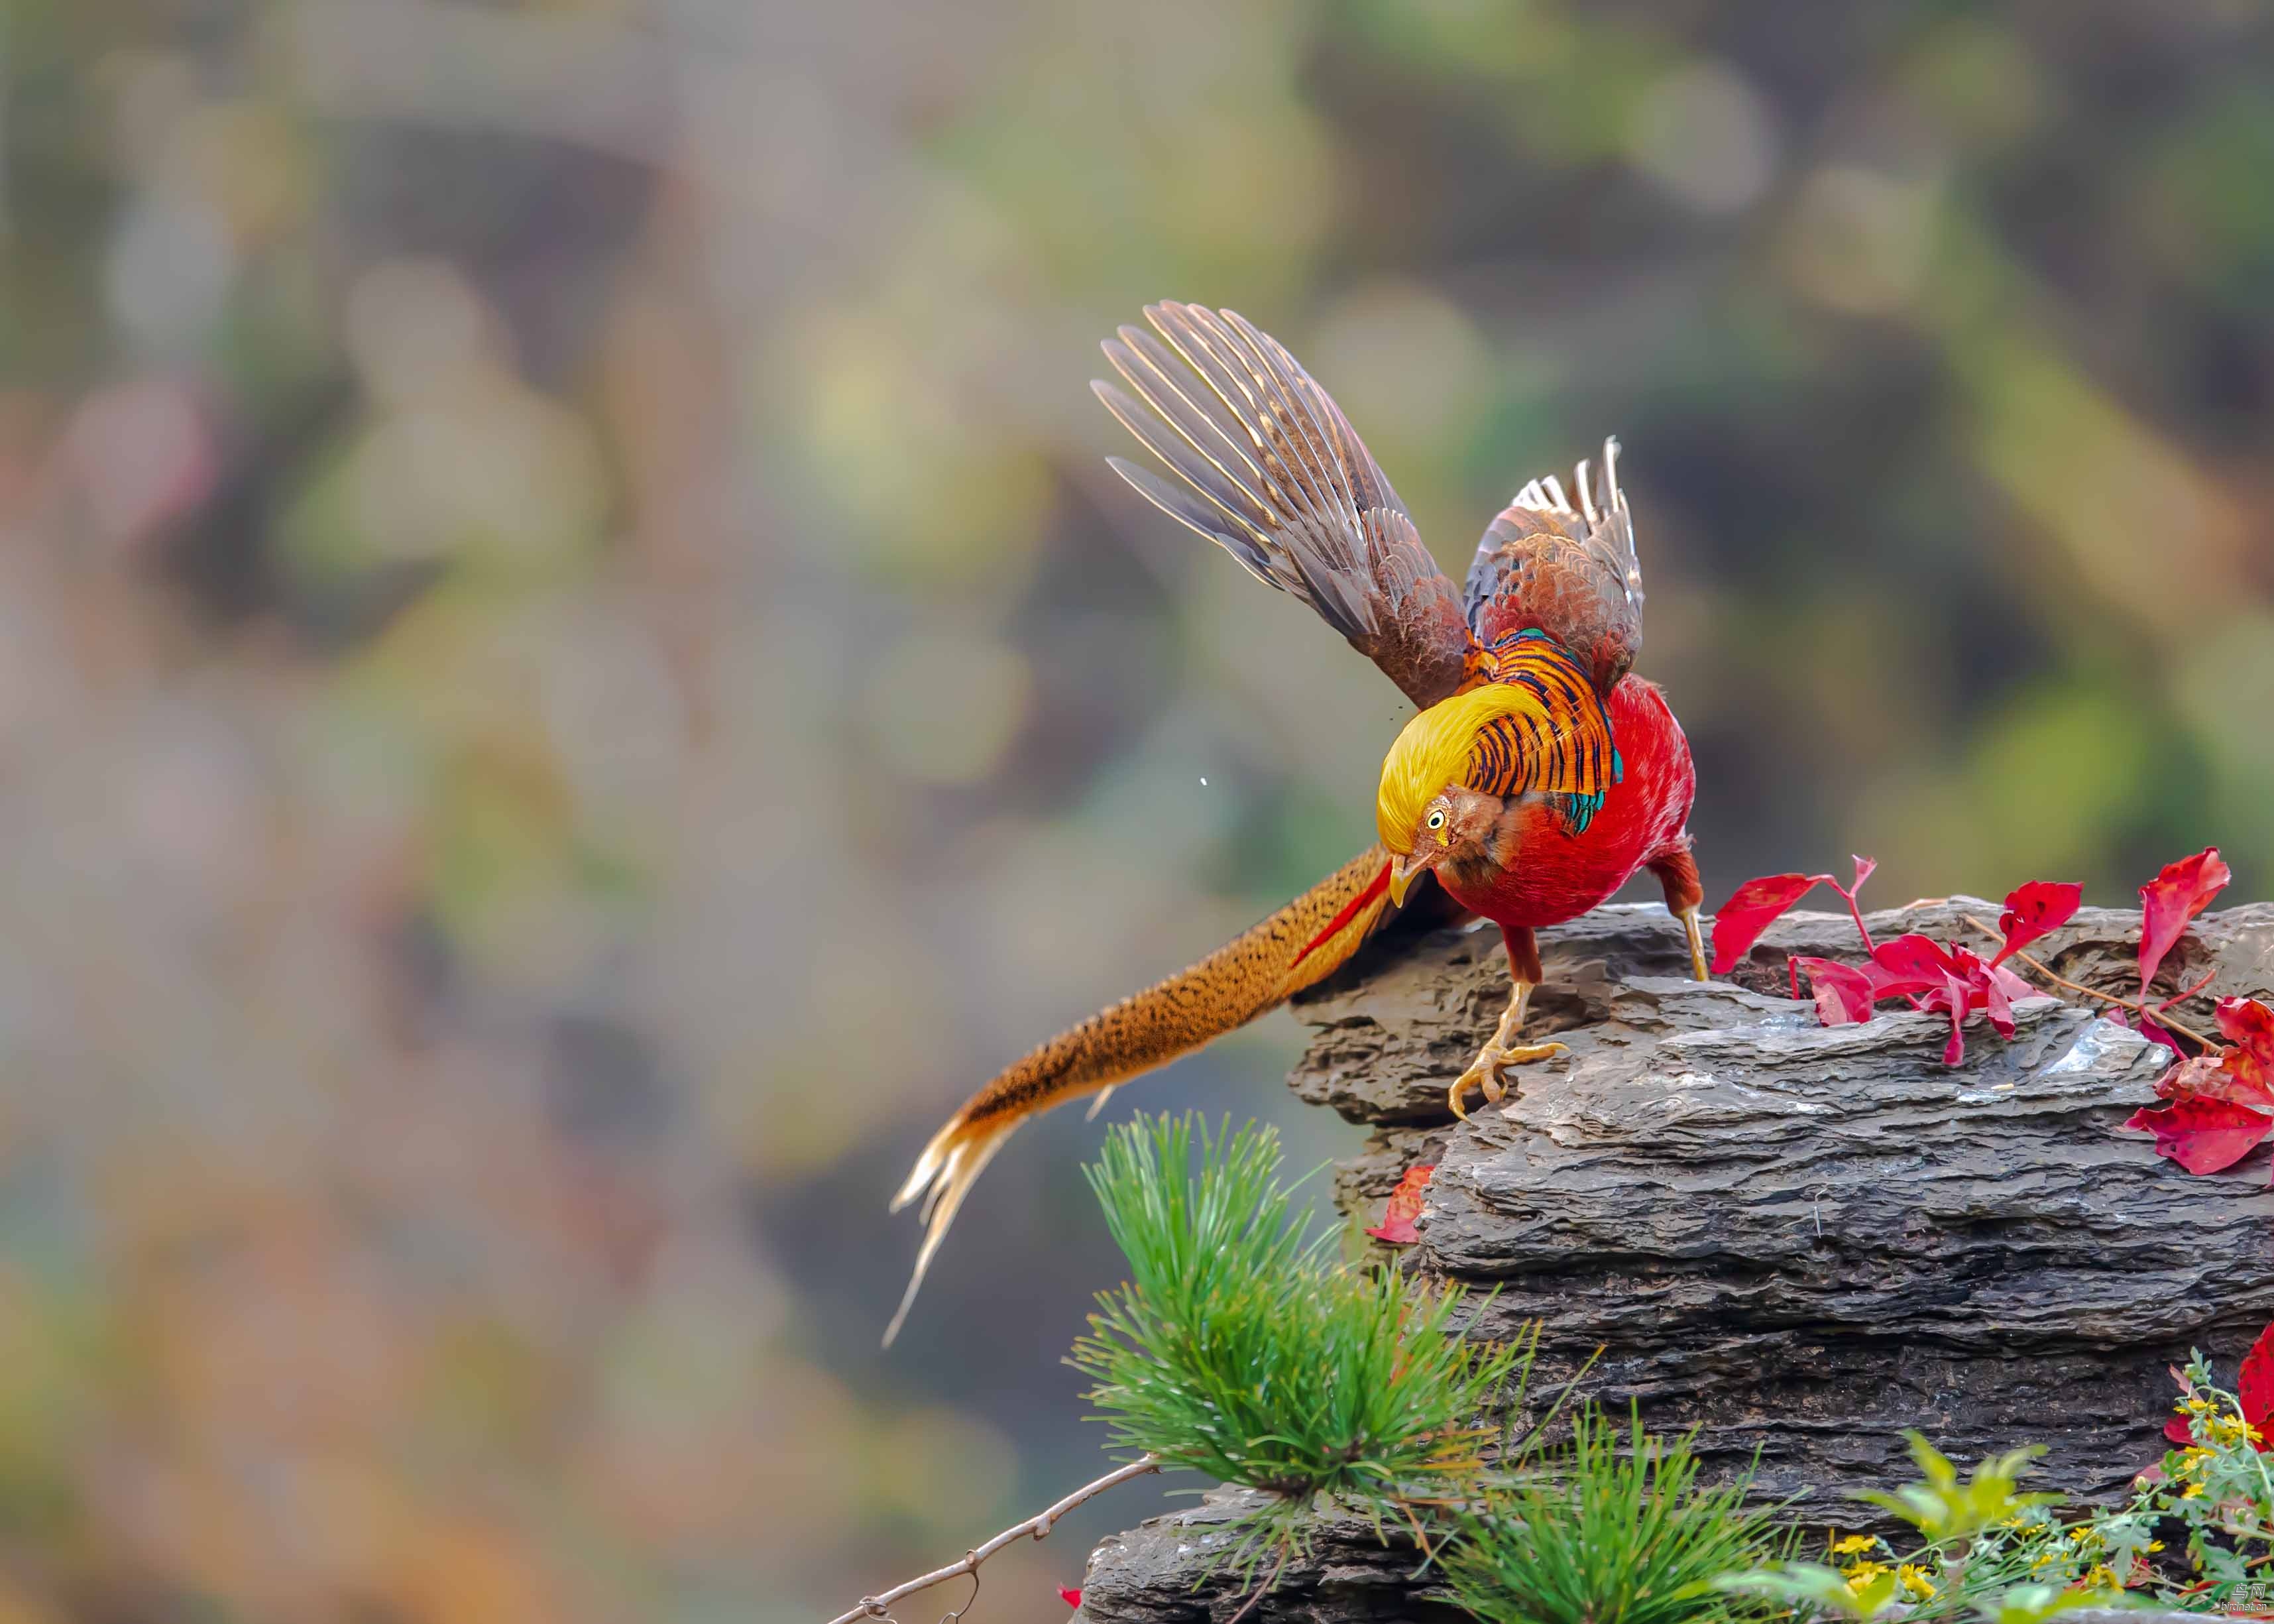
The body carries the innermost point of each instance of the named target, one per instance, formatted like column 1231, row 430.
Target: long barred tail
column 1255, row 972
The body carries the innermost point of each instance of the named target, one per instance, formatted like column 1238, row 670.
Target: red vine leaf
column 1843, row 993
column 1072, row 1599
column 2241, row 1075
column 2203, row 1136
column 1951, row 997
column 2199, row 1076
column 2035, row 910
column 2249, row 1025
column 2174, row 896
column 2255, row 1387
column 1911, row 963
column 1986, row 991
column 1754, row 906
column 1397, row 1226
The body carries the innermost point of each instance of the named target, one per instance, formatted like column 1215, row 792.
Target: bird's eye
column 1437, row 819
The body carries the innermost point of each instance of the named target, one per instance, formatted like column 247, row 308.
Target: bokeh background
column 571, row 676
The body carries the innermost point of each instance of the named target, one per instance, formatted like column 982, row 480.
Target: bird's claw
column 1484, row 1071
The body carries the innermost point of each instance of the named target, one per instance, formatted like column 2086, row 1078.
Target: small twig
column 2155, row 1014
column 1037, row 1527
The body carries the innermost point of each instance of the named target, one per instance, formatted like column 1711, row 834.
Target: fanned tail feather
column 1302, row 943
column 1563, row 564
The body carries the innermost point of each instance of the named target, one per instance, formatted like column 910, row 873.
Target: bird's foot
column 1484, row 1071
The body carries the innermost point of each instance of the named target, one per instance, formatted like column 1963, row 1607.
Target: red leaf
column 2154, row 1033
column 2225, row 1075
column 1843, row 993
column 2176, row 1430
column 1397, row 1226
column 1955, row 995
column 2255, row 1386
column 2015, row 988
column 1754, row 906
column 2035, row 910
column 1988, row 993
column 2241, row 1075
column 1914, row 958
column 2249, row 1064
column 1072, row 1599
column 2249, row 1025
column 2203, row 1136
column 2200, row 1076
column 2183, row 890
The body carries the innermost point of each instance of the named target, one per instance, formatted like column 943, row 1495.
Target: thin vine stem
column 1036, row 1527
column 2138, row 1007
column 1855, row 911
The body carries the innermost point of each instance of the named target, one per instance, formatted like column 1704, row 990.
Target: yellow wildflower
column 1862, row 1573
column 1854, row 1543
column 1912, row 1578
column 2191, row 1490
column 2084, row 1534
column 2155, row 1544
column 2102, row 1577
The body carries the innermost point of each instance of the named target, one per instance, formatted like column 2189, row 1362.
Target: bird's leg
column 1677, row 872
column 1696, row 943
column 1504, row 1050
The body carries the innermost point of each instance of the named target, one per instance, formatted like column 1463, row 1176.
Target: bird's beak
column 1402, row 871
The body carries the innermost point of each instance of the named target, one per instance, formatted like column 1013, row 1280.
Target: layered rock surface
column 1799, row 1239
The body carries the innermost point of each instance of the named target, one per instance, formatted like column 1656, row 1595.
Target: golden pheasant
column 1538, row 777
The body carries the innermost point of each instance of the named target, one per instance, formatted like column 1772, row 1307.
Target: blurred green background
column 571, row 678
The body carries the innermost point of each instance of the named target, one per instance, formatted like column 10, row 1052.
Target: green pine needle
column 1611, row 1529
column 1241, row 1349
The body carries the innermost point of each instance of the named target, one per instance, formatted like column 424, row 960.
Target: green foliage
column 1609, row 1530
column 1991, row 1550
column 1240, row 1350
column 1812, row 1588
column 1943, row 1508
column 1974, row 1533
column 2218, row 1489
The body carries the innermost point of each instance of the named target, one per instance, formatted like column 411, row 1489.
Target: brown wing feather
column 1544, row 565
column 1254, row 973
column 1273, row 473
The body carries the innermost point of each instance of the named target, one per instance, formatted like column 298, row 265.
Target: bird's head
column 1426, row 811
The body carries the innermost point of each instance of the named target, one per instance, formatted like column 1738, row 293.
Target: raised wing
column 1571, row 573
column 1274, row 474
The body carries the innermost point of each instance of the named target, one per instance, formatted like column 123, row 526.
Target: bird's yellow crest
column 1434, row 749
